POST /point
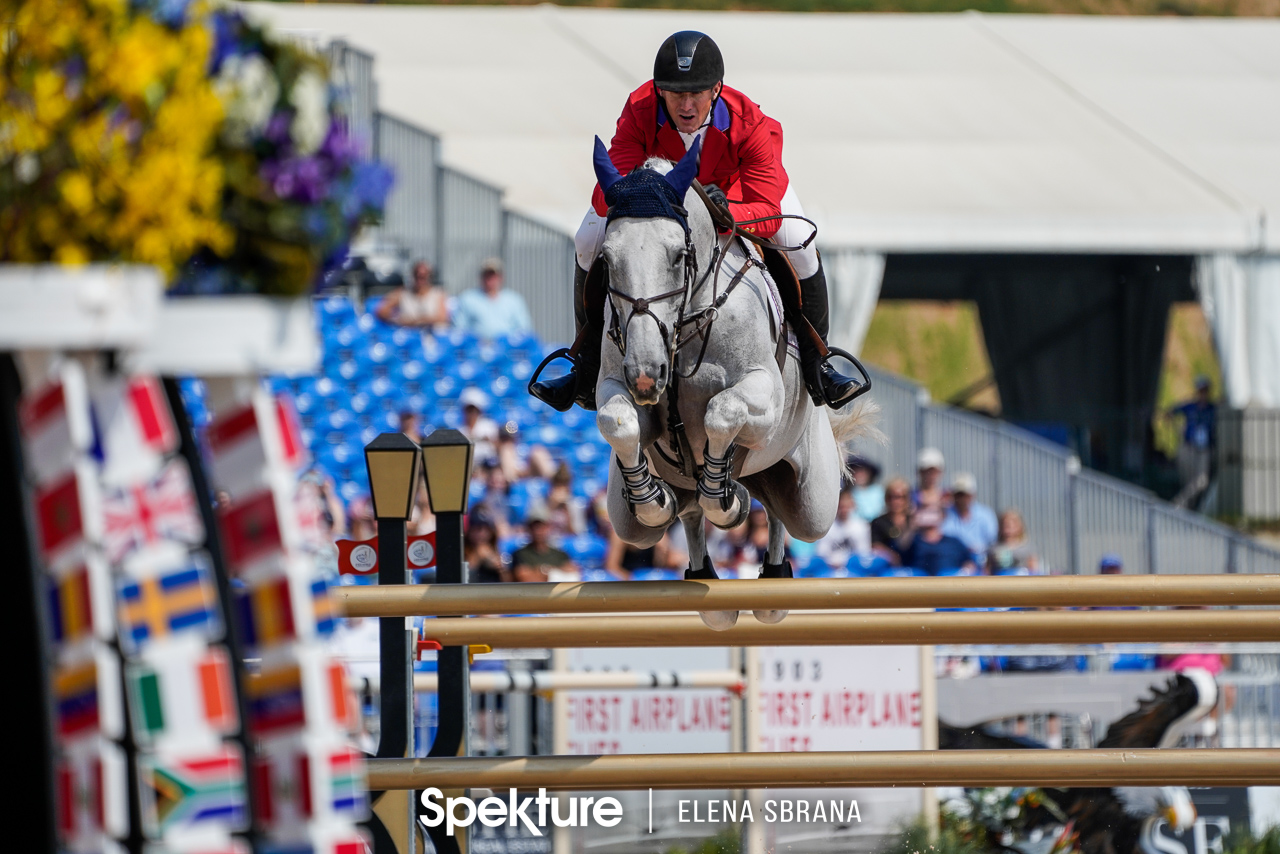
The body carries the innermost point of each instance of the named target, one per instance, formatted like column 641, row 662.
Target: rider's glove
column 717, row 196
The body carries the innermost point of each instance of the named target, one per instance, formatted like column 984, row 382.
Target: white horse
column 668, row 302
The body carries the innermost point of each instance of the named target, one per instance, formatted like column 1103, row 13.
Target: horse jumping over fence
column 699, row 395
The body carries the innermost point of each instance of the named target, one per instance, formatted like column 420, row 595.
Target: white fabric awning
column 960, row 132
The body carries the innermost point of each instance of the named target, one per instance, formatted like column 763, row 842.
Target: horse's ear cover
column 606, row 173
column 686, row 170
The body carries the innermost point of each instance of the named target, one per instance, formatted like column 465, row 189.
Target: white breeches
column 792, row 233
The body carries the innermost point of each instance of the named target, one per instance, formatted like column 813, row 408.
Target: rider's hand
column 720, row 200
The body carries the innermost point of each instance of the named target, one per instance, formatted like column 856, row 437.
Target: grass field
column 1252, row 8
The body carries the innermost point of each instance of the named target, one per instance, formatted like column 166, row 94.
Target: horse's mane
column 661, row 165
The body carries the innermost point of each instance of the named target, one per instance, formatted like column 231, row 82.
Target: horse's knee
column 617, row 421
column 726, row 413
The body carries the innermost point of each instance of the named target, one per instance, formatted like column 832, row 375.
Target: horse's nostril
column 662, row 373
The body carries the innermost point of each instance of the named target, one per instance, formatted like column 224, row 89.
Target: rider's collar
column 645, row 194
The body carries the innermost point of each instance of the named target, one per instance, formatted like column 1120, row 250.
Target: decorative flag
column 251, row 530
column 282, row 783
column 87, row 694
column 58, row 520
column 323, row 610
column 266, row 612
column 422, row 551
column 360, row 557
column 162, row 509
column 292, row 449
column 333, row 839
column 184, row 601
column 308, row 510
column 238, row 460
column 193, row 793
column 135, row 428
column 91, row 794
column 181, row 694
column 342, row 707
column 275, row 699
column 47, row 432
column 70, row 608
column 347, row 790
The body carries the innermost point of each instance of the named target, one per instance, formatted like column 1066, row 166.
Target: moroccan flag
column 358, row 557
column 70, row 606
column 181, row 694
column 251, row 529
column 197, row 791
column 275, row 699
column 58, row 520
column 154, row 511
column 265, row 611
column 180, row 602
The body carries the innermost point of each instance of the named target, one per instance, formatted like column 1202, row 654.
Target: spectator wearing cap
column 868, row 496
column 849, row 535
column 929, row 467
column 969, row 520
column 491, row 311
column 538, row 560
column 1110, row 564
column 423, row 304
column 1199, row 436
column 933, row 551
column 476, row 426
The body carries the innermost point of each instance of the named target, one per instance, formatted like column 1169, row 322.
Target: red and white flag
column 59, row 516
column 46, row 432
column 159, row 510
column 237, row 456
column 360, row 557
column 251, row 530
column 92, row 794
column 135, row 427
column 292, row 450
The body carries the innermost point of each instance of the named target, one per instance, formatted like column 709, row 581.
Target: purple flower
column 373, row 182
column 278, row 128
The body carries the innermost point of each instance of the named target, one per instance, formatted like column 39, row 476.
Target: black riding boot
column 826, row 385
column 579, row 384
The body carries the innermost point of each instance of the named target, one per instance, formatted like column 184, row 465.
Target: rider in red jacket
column 740, row 165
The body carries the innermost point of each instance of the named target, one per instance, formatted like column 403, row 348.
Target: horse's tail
column 856, row 421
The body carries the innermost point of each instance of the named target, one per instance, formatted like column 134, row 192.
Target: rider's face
column 689, row 109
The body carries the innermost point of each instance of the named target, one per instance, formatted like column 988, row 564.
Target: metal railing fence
column 471, row 214
column 539, row 261
column 1248, row 463
column 412, row 215
column 351, row 71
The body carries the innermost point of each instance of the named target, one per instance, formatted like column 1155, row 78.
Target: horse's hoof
column 770, row 617
column 719, row 621
column 663, row 509
column 715, row 512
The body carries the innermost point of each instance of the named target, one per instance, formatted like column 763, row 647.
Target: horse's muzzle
column 646, row 386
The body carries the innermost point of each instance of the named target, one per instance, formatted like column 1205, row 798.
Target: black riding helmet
column 688, row 61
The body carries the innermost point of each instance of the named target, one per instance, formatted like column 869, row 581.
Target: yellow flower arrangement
column 108, row 121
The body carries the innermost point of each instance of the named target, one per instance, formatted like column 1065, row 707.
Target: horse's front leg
column 649, row 500
column 743, row 411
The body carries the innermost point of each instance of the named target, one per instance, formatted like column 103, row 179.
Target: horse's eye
column 678, row 258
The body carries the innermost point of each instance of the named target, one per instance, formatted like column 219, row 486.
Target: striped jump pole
column 537, row 681
column 440, row 600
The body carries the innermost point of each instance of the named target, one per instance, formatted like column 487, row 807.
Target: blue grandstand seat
column 902, row 572
column 657, row 575
column 815, row 567
column 868, row 565
column 598, row 575
column 585, row 549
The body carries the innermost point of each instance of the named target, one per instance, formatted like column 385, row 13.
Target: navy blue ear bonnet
column 645, row 193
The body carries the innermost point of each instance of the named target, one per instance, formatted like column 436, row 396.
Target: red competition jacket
column 741, row 152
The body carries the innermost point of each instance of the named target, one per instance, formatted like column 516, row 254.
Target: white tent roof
column 960, row 132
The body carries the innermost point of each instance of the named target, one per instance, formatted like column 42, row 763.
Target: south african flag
column 193, row 792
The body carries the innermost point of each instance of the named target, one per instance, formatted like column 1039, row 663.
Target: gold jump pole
column 810, row 594
column 862, row 629
column 1145, row 767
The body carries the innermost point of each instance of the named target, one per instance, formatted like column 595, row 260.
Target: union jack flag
column 148, row 513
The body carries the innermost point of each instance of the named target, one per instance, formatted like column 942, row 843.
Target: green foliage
column 1267, row 843
column 956, row 836
column 724, row 842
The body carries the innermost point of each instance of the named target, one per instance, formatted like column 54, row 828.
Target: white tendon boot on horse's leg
column 776, row 565
column 651, row 501
column 696, row 536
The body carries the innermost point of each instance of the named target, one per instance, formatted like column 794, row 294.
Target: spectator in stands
column 480, row 551
column 868, row 496
column 929, row 492
column 1011, row 551
column 1210, row 661
column 423, row 304
column 539, row 560
column 755, row 548
column 969, row 520
column 891, row 532
column 1195, row 454
column 411, row 425
column 360, row 520
column 933, row 551
column 490, row 310
column 1110, row 564
column 567, row 517
column 495, row 503
column 476, row 426
column 849, row 535
column 623, row 559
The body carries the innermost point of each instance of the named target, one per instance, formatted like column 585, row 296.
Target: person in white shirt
column 481, row 430
column 850, row 534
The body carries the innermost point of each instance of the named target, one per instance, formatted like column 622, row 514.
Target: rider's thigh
column 589, row 238
column 794, row 232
